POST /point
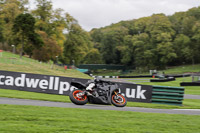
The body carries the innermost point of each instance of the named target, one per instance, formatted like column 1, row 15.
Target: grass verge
column 32, row 119
column 193, row 90
column 12, row 62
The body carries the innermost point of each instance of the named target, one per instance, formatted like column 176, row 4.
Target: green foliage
column 77, row 44
column 9, row 9
column 93, row 57
column 43, row 11
column 1, row 31
column 48, row 51
column 24, row 29
column 181, row 46
column 127, row 56
column 151, row 42
column 112, row 43
column 24, row 23
column 50, row 21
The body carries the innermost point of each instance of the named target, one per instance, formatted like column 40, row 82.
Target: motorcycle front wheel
column 118, row 100
column 77, row 97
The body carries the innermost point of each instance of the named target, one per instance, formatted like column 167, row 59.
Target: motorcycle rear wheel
column 118, row 101
column 78, row 99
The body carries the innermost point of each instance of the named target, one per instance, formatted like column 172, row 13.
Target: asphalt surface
column 14, row 101
column 187, row 96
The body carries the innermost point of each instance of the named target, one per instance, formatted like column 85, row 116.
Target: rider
column 91, row 84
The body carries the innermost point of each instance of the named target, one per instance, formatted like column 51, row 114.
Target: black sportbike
column 103, row 92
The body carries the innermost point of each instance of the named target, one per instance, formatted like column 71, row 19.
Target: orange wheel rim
column 78, row 97
column 124, row 100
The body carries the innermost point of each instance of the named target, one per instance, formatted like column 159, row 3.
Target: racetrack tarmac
column 14, row 101
column 187, row 96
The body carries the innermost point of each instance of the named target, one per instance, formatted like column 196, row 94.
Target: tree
column 195, row 47
column 181, row 46
column 58, row 26
column 44, row 16
column 166, row 53
column 25, row 30
column 161, row 36
column 140, row 25
column 9, row 9
column 96, row 35
column 143, row 52
column 127, row 51
column 177, row 22
column 111, row 44
column 195, row 12
column 77, row 44
column 47, row 19
column 188, row 23
column 93, row 57
column 1, row 31
column 44, row 11
column 48, row 51
column 52, row 22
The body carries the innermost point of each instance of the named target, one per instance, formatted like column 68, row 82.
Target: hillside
column 12, row 62
column 152, row 42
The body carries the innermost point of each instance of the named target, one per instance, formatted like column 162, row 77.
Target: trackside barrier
column 62, row 85
column 168, row 95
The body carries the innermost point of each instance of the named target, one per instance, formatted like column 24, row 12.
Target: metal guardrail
column 168, row 95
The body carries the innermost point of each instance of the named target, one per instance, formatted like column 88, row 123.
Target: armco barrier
column 190, row 84
column 168, row 95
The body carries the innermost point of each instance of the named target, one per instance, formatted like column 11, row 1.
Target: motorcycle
column 104, row 92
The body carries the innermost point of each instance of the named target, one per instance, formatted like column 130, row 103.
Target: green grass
column 183, row 69
column 12, row 62
column 34, row 119
column 33, row 95
column 187, row 103
column 193, row 90
column 170, row 70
